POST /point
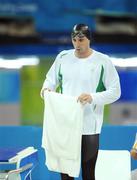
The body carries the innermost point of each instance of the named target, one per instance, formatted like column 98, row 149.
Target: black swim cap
column 81, row 30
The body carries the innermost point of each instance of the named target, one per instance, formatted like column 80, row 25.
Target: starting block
column 17, row 163
column 114, row 165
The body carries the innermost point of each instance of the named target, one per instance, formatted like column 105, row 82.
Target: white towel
column 62, row 132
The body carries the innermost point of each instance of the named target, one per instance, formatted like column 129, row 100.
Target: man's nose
column 77, row 43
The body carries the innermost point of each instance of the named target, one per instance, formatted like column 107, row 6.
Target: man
column 91, row 76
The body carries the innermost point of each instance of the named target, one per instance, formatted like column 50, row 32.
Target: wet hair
column 81, row 30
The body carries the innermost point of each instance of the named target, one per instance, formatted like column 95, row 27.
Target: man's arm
column 112, row 85
column 50, row 82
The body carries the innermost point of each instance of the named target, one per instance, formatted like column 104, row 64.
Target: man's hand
column 42, row 91
column 84, row 99
column 133, row 151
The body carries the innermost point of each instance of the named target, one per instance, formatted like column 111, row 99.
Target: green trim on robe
column 101, row 86
column 60, row 77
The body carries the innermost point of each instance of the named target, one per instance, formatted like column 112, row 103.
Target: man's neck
column 85, row 54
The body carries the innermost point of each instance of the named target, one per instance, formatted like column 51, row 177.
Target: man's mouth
column 78, row 49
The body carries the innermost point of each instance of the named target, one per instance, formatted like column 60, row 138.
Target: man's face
column 81, row 44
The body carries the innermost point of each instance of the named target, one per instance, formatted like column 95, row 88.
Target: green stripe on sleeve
column 60, row 78
column 101, row 86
